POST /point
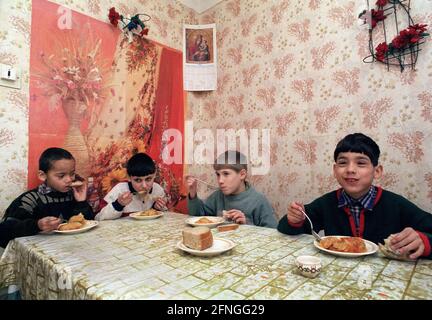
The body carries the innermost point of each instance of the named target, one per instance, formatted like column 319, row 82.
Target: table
column 137, row 259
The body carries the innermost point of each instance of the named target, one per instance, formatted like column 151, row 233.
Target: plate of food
column 76, row 224
column 205, row 221
column 199, row 241
column 146, row 215
column 345, row 246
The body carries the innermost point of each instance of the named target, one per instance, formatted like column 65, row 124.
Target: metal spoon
column 316, row 235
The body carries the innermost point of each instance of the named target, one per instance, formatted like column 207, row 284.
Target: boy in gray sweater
column 236, row 199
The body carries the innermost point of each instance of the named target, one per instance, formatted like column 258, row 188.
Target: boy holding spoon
column 361, row 209
column 139, row 193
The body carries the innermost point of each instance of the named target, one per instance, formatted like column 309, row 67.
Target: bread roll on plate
column 198, row 238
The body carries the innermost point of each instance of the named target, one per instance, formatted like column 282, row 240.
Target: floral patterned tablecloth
column 138, row 259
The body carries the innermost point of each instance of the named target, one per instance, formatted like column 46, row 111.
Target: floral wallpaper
column 295, row 67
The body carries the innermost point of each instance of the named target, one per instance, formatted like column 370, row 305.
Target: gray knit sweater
column 253, row 204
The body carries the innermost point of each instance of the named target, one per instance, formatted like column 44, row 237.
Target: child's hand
column 235, row 215
column 294, row 213
column 80, row 192
column 191, row 185
column 160, row 204
column 125, row 198
column 408, row 240
column 48, row 224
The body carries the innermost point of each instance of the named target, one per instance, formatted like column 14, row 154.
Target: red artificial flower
column 381, row 51
column 400, row 41
column 144, row 32
column 420, row 28
column 381, row 3
column 411, row 35
column 376, row 16
column 114, row 16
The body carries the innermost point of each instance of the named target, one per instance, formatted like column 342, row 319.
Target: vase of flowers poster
column 75, row 79
column 74, row 141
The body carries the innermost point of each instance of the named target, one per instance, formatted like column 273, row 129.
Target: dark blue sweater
column 391, row 214
column 22, row 216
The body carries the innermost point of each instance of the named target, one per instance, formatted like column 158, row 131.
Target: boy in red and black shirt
column 361, row 209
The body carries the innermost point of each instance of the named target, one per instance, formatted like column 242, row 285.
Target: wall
column 296, row 67
column 292, row 66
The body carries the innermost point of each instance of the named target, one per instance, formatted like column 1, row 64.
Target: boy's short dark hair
column 230, row 159
column 358, row 143
column 50, row 155
column 140, row 165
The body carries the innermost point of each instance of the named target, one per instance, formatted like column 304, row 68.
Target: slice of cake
column 198, row 238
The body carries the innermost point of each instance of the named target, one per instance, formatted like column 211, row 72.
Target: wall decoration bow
column 130, row 26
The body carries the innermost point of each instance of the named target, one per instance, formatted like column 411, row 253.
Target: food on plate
column 75, row 222
column 227, row 227
column 147, row 213
column 198, row 238
column 70, row 226
column 78, row 218
column 390, row 253
column 345, row 244
column 77, row 183
column 203, row 221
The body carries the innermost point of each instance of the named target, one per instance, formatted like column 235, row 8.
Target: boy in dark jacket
column 42, row 209
column 361, row 209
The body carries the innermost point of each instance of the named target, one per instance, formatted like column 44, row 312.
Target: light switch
column 10, row 76
column 8, row 73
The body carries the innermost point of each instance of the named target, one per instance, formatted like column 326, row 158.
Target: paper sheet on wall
column 199, row 57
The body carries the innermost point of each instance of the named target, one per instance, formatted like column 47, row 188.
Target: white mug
column 309, row 266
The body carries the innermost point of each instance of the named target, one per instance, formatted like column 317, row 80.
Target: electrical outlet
column 9, row 76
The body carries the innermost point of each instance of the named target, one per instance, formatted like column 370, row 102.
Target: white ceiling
column 200, row 5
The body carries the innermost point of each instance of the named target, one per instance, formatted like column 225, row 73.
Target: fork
column 206, row 183
column 316, row 235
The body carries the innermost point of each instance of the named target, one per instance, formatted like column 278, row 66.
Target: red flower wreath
column 406, row 39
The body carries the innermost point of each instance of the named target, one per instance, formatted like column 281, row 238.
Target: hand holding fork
column 297, row 214
column 191, row 184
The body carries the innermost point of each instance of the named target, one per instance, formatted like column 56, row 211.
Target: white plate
column 90, row 224
column 215, row 221
column 135, row 215
column 371, row 248
column 219, row 246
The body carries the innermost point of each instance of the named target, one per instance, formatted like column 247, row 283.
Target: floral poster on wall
column 101, row 96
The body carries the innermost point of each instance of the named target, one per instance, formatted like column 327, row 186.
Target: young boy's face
column 355, row 173
column 231, row 181
column 60, row 176
column 142, row 184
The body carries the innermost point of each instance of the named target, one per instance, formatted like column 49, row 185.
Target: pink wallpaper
column 296, row 67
